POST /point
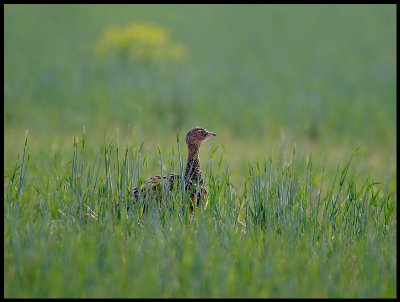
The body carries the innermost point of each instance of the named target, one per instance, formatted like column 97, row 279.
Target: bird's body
column 192, row 178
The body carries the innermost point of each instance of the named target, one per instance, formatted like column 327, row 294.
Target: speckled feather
column 194, row 181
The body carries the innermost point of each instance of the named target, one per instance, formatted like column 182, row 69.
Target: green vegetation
column 301, row 175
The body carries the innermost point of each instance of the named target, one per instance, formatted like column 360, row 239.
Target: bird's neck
column 193, row 171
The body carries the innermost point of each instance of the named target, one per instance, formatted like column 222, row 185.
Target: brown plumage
column 193, row 177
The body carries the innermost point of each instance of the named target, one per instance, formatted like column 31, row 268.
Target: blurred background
column 265, row 78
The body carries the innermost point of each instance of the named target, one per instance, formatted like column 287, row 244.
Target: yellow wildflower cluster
column 143, row 41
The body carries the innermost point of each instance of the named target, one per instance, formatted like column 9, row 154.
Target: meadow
column 301, row 175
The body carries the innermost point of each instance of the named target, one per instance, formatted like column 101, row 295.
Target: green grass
column 301, row 175
column 284, row 235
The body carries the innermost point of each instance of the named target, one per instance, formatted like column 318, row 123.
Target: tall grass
column 83, row 234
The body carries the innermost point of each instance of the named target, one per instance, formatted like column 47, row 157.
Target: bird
column 192, row 177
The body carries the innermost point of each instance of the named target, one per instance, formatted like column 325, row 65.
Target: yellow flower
column 142, row 41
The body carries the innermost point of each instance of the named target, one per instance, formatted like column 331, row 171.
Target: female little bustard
column 193, row 177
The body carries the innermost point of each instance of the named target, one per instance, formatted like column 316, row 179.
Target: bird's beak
column 211, row 133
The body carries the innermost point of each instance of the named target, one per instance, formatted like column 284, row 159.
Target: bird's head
column 197, row 135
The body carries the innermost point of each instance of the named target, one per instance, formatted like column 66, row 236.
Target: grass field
column 301, row 175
